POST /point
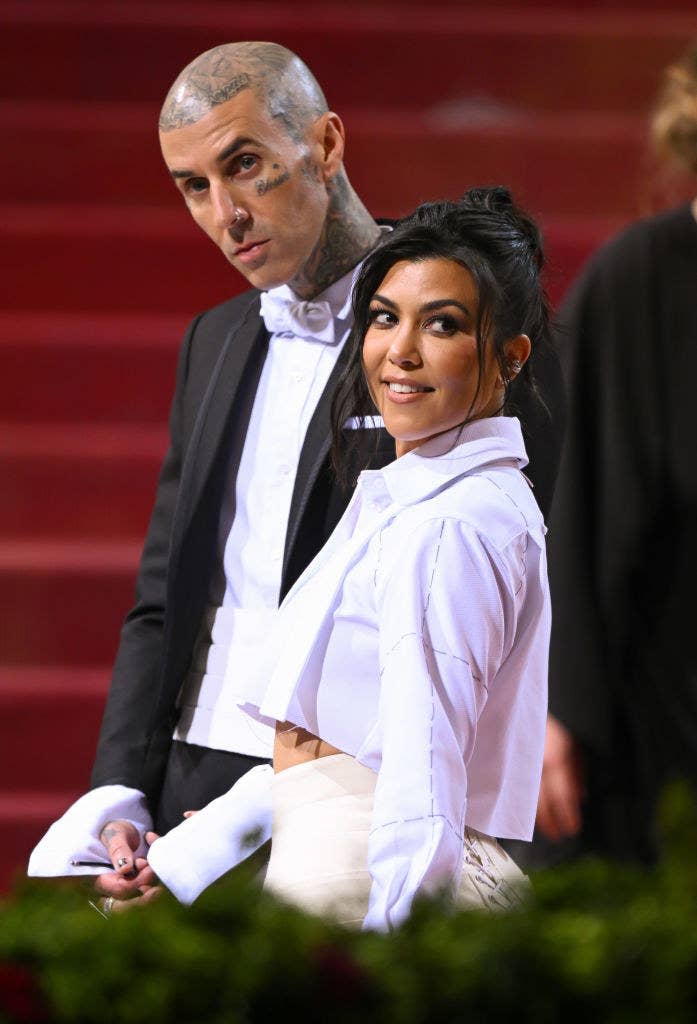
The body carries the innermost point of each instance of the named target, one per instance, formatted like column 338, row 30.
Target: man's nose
column 227, row 212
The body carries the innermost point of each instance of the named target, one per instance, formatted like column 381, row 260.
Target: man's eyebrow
column 229, row 151
column 234, row 147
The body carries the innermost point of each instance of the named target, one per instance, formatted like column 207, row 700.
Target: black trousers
column 195, row 776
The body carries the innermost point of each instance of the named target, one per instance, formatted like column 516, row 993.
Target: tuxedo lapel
column 224, row 413
column 313, row 455
column 242, row 343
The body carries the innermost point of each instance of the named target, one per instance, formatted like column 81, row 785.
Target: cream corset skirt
column 319, row 851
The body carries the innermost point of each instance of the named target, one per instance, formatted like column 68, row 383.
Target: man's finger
column 121, row 839
column 121, row 888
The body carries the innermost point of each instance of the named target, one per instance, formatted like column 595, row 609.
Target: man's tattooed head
column 282, row 82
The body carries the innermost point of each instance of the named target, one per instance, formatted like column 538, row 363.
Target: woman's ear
column 516, row 354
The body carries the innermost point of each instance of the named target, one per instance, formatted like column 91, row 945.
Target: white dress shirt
column 417, row 642
column 234, row 648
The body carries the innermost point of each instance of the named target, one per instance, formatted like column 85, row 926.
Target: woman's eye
column 382, row 317
column 443, row 325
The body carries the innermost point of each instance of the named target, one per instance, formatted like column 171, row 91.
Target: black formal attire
column 623, row 537
column 218, row 372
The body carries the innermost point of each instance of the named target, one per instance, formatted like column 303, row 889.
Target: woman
column 411, row 685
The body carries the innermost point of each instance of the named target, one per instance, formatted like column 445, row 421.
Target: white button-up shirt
column 417, row 642
column 235, row 642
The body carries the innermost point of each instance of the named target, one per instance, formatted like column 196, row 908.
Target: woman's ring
column 107, row 905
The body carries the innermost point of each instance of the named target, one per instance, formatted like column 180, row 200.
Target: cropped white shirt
column 417, row 642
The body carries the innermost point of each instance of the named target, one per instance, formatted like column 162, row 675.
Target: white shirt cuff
column 214, row 840
column 75, row 836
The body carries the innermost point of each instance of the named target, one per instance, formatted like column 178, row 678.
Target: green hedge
column 598, row 943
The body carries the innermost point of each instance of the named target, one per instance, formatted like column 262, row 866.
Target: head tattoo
column 283, row 83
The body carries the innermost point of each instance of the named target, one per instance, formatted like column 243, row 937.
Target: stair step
column 554, row 161
column 93, row 258
column 104, row 368
column 74, row 480
column 62, row 602
column 141, row 267
column 50, row 722
column 24, row 817
column 406, row 55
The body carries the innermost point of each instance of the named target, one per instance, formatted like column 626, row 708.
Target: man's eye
column 195, row 186
column 247, row 162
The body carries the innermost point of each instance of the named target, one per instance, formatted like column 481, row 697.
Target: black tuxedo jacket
column 217, row 376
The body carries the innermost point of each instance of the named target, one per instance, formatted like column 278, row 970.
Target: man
column 245, row 498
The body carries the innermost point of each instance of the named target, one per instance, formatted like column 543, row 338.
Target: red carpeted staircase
column 103, row 268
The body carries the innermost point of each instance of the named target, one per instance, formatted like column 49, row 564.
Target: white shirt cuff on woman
column 216, row 839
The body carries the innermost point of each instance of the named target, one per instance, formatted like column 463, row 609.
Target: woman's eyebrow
column 385, row 301
column 440, row 303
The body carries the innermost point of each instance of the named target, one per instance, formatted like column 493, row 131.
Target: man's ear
column 331, row 139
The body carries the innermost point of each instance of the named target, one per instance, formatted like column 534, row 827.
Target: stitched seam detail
column 436, row 650
column 422, row 817
column 517, row 507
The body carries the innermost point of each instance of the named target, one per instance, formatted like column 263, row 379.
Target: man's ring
column 121, row 861
column 107, row 905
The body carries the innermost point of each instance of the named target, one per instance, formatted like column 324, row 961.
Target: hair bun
column 498, row 199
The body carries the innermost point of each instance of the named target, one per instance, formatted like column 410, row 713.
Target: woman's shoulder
column 494, row 506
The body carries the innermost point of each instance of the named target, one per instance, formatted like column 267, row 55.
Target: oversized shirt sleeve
column 75, row 836
column 446, row 618
column 216, row 839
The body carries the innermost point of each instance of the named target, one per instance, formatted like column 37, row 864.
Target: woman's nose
column 404, row 348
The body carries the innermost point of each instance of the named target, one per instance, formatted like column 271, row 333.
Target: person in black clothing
column 623, row 532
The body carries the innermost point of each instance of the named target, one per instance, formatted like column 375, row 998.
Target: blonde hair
column 674, row 122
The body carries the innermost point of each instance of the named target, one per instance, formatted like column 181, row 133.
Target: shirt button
column 276, row 556
column 299, row 377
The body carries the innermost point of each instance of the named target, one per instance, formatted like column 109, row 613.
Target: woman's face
column 420, row 352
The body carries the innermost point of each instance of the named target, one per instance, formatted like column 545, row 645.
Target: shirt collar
column 436, row 463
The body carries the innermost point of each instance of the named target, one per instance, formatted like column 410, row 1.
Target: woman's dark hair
column 500, row 246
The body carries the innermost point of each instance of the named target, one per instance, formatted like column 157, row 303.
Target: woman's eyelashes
column 378, row 316
column 439, row 323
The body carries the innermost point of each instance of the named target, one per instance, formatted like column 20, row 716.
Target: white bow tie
column 303, row 319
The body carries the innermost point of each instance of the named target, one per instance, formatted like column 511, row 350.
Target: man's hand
column 562, row 788
column 131, row 878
